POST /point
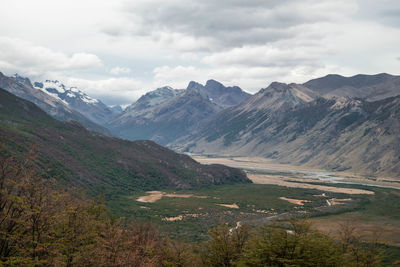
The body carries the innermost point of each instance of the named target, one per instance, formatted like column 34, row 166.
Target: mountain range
column 100, row 164
column 166, row 114
column 332, row 122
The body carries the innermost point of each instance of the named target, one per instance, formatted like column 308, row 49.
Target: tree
column 225, row 245
column 298, row 246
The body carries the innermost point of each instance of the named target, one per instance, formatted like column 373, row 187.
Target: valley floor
column 330, row 200
column 371, row 223
column 265, row 171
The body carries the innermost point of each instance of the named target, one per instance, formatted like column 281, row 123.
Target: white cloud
column 179, row 76
column 120, row 70
column 266, row 55
column 22, row 56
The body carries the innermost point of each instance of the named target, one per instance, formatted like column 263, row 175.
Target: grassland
column 191, row 217
column 374, row 213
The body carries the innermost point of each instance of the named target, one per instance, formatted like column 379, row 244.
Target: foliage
column 43, row 225
column 296, row 244
column 299, row 246
column 225, row 246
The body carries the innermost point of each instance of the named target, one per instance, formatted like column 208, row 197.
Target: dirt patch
column 180, row 217
column 232, row 206
column 154, row 196
column 178, row 195
column 337, row 201
column 295, row 201
column 172, row 219
column 281, row 181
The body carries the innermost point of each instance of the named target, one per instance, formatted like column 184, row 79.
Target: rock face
column 99, row 163
column 55, row 107
column 166, row 114
column 91, row 108
column 319, row 123
column 217, row 93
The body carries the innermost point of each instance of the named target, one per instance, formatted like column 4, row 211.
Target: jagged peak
column 214, row 83
column 194, row 86
column 162, row 89
column 58, row 90
column 21, row 79
column 275, row 87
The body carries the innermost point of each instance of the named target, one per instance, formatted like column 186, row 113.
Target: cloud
column 226, row 24
column 120, row 70
column 22, row 56
column 385, row 12
column 266, row 56
column 179, row 76
column 111, row 91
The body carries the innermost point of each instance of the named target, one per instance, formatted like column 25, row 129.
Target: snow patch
column 59, row 91
column 89, row 100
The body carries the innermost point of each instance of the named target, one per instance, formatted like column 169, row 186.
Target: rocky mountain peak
column 21, row 79
column 194, row 86
column 214, row 84
column 66, row 94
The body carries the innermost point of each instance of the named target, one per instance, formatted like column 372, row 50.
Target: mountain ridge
column 295, row 124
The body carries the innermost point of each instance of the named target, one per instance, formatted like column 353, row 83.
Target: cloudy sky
column 117, row 50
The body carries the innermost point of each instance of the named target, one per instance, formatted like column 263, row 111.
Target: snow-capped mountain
column 22, row 87
column 92, row 108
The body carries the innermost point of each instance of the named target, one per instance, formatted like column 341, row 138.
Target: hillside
column 99, row 163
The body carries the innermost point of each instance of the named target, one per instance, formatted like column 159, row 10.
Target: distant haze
column 118, row 50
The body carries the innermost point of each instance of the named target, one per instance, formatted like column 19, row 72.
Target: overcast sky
column 117, row 50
